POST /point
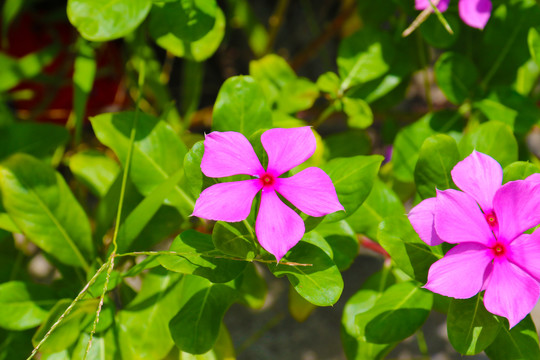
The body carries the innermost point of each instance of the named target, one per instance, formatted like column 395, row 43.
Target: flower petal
column 516, row 205
column 287, row 148
column 480, row 176
column 533, row 178
column 311, row 191
column 278, row 227
column 229, row 153
column 460, row 273
column 475, row 13
column 227, row 201
column 424, row 4
column 422, row 218
column 459, row 219
column 510, row 292
column 525, row 252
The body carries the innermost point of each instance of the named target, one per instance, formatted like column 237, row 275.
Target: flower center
column 267, row 179
column 498, row 249
column 491, row 219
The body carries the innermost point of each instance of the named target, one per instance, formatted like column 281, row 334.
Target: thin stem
column 323, row 116
column 275, row 22
column 422, row 345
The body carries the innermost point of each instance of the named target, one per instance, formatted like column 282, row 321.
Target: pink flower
column 278, row 227
column 474, row 13
column 487, row 221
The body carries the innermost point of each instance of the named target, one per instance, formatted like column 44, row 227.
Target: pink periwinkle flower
column 474, row 13
column 278, row 227
column 487, row 221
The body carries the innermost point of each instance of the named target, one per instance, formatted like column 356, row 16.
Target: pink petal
column 287, row 148
column 480, row 176
column 421, row 218
column 227, row 201
column 525, row 253
column 510, row 292
column 459, row 219
column 460, row 273
column 311, row 191
column 424, row 4
column 229, row 153
column 517, row 205
column 475, row 13
column 533, row 178
column 278, row 227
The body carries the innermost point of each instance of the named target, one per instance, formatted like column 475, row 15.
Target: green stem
column 422, row 345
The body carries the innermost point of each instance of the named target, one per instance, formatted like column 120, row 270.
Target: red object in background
column 53, row 101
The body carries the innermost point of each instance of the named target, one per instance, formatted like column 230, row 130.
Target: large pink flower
column 278, row 227
column 474, row 13
column 487, row 222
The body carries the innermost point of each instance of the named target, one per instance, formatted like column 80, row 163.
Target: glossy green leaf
column 67, row 333
column 382, row 202
column 195, row 327
column 407, row 147
column 364, row 56
column 223, row 349
column 471, row 328
column 188, row 28
column 241, row 106
column 143, row 326
column 342, row 240
column 358, row 112
column 329, row 82
column 94, row 169
column 408, row 252
column 297, row 95
column 272, row 73
column 519, row 170
column 103, row 20
column 195, row 246
column 320, row 282
column 438, row 156
column 520, row 342
column 24, row 305
column 39, row 140
column 41, row 204
column 494, row 139
column 299, row 308
column 157, row 152
column 234, row 239
column 195, row 179
column 397, row 313
column 456, row 76
column 353, row 179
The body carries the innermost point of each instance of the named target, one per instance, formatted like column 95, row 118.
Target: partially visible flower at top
column 474, row 13
column 278, row 227
column 487, row 221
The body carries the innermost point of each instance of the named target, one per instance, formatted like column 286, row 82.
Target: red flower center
column 267, row 179
column 498, row 249
column 491, row 219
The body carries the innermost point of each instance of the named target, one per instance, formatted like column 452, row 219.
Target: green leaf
column 241, row 106
column 196, row 246
column 456, row 76
column 407, row 146
column 353, row 179
column 518, row 343
column 348, row 143
column 408, row 252
column 272, row 73
column 342, row 240
column 494, row 139
column 234, row 239
column 67, row 333
column 223, row 349
column 143, row 326
column 195, row 179
column 297, row 95
column 397, row 314
column 24, row 305
column 84, row 73
column 299, row 308
column 320, row 282
column 358, row 112
column 533, row 39
column 382, row 202
column 519, row 170
column 39, row 140
column 157, row 152
column 438, row 156
column 188, row 28
column 196, row 326
column 95, row 170
column 364, row 56
column 251, row 287
column 471, row 328
column 329, row 82
column 435, row 33
column 103, row 20
column 41, row 204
